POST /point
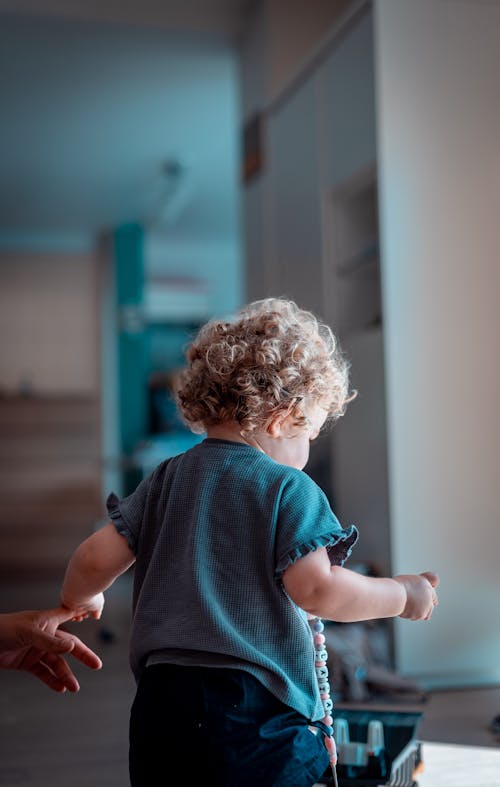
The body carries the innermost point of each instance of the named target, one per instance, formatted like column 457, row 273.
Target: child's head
column 272, row 358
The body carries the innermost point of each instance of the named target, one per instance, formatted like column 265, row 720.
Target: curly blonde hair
column 272, row 357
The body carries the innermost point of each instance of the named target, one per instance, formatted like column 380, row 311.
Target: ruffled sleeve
column 306, row 522
column 115, row 515
column 339, row 547
column 127, row 513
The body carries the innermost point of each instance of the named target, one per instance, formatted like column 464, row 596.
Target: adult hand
column 31, row 641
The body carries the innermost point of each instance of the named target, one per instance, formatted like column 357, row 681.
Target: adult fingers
column 55, row 676
column 59, row 642
column 81, row 651
column 62, row 614
column 61, row 671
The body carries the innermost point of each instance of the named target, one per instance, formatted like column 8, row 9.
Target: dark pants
column 218, row 728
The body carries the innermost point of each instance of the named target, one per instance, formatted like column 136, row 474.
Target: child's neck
column 230, row 430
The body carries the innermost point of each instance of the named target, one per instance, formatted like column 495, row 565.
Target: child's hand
column 421, row 597
column 92, row 608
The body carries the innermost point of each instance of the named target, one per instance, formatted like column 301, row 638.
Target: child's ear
column 273, row 427
column 282, row 425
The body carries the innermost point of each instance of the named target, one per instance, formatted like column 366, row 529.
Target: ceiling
column 114, row 116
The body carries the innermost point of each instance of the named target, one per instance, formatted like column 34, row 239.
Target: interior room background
column 347, row 158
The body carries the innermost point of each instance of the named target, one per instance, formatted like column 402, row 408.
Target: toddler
column 234, row 548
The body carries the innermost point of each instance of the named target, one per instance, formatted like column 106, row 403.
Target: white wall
column 285, row 40
column 320, row 141
column 295, row 217
column 439, row 168
column 296, row 29
column 254, row 68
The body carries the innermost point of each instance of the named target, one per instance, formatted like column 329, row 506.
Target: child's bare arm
column 336, row 593
column 93, row 567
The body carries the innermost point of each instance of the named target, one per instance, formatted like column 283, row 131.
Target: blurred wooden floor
column 81, row 740
column 51, row 740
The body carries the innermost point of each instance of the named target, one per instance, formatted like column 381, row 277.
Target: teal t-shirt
column 213, row 529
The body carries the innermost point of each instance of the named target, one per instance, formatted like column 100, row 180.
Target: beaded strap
column 320, row 665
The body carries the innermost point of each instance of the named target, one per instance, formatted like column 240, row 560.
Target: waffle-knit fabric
column 213, row 529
